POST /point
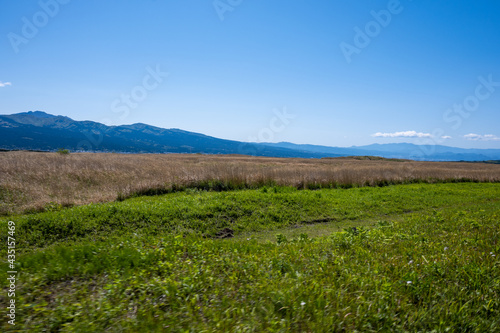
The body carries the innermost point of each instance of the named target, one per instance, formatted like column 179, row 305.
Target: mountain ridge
column 38, row 130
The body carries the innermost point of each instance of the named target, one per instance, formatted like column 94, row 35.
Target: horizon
column 295, row 143
column 331, row 74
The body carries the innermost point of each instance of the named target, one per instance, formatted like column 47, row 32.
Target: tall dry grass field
column 31, row 181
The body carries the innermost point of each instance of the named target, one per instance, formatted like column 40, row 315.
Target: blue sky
column 330, row 72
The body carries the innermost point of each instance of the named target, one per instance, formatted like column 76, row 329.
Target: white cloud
column 406, row 134
column 4, row 84
column 479, row 137
column 446, row 137
column 490, row 137
column 472, row 136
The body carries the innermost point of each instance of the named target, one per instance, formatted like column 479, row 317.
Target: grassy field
column 415, row 257
column 33, row 182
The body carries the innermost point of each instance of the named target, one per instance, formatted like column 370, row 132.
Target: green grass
column 421, row 257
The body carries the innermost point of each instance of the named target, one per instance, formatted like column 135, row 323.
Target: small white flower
column 410, row 262
column 302, row 303
column 446, row 248
column 408, row 282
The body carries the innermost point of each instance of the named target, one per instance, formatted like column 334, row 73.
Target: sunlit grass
column 34, row 182
column 399, row 258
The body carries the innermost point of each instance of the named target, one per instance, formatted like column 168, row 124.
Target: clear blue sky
column 232, row 64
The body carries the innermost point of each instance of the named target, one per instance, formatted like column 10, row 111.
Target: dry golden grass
column 31, row 181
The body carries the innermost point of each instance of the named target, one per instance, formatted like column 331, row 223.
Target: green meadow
column 417, row 258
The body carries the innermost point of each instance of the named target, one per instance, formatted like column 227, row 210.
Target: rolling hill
column 37, row 130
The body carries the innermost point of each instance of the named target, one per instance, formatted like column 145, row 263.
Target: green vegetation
column 420, row 257
column 368, row 158
column 62, row 151
column 487, row 162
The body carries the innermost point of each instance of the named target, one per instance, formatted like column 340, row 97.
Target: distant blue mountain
column 37, row 130
column 36, row 114
column 402, row 151
column 41, row 131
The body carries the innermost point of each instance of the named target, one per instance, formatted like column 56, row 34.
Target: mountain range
column 37, row 130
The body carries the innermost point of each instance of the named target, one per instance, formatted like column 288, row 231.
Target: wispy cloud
column 405, row 134
column 479, row 137
column 5, row 84
column 446, row 137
